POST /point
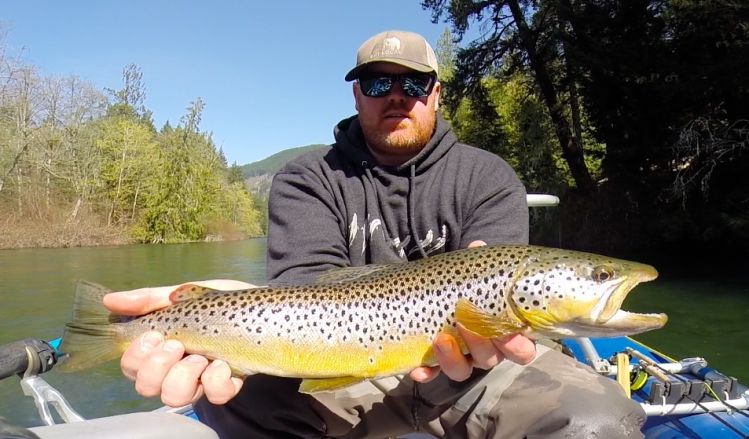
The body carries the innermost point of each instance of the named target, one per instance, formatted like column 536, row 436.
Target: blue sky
column 270, row 73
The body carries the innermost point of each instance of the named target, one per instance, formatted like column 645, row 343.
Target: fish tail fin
column 93, row 336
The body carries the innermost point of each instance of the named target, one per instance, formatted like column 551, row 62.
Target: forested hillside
column 272, row 164
column 82, row 166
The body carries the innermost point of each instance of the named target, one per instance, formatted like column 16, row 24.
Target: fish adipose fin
column 92, row 337
column 484, row 324
column 312, row 385
column 189, row 292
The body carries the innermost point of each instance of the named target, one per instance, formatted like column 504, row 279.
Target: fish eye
column 602, row 274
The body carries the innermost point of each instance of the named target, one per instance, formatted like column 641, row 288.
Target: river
column 707, row 314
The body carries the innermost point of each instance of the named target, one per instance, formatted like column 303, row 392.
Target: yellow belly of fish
column 280, row 357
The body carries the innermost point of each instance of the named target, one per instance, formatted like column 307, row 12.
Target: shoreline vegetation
column 81, row 167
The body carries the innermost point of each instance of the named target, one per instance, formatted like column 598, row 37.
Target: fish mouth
column 629, row 323
column 611, row 305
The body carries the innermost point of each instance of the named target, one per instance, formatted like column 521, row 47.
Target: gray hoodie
column 337, row 207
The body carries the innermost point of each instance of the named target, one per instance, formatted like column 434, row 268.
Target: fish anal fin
column 313, row 385
column 484, row 324
column 189, row 292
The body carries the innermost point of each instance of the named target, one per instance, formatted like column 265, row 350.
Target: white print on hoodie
column 429, row 243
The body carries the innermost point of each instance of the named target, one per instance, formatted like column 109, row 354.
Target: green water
column 36, row 294
column 708, row 312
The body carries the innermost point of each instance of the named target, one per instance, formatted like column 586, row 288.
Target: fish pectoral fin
column 312, row 385
column 484, row 324
column 189, row 291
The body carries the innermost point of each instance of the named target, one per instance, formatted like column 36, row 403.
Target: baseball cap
column 407, row 49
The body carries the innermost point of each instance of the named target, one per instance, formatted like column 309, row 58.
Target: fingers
column 424, row 374
column 484, row 353
column 218, row 384
column 158, row 369
column 182, row 384
column 516, row 348
column 477, row 243
column 137, row 352
column 138, row 302
column 154, row 368
column 452, row 362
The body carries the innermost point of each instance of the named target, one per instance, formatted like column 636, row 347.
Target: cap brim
column 356, row 71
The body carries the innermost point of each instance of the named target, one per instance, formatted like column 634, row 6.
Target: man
column 396, row 186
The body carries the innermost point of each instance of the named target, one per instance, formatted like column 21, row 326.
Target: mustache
column 398, row 106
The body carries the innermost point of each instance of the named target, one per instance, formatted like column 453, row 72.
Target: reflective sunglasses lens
column 376, row 87
column 416, row 86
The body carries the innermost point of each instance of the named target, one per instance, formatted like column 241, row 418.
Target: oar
column 27, row 357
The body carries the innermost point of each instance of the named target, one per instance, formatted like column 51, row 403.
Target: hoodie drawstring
column 410, row 206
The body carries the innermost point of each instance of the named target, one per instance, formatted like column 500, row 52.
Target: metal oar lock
column 29, row 358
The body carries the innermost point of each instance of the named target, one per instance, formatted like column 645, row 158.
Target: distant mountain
column 258, row 175
column 270, row 165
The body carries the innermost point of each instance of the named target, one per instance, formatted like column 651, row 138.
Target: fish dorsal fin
column 346, row 274
column 484, row 324
column 313, row 385
column 189, row 292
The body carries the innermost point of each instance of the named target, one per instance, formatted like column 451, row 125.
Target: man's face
column 396, row 125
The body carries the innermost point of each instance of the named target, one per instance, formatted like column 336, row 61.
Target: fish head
column 562, row 293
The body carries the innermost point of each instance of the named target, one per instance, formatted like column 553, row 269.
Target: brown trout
column 378, row 320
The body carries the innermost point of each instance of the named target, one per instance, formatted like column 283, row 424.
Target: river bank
column 83, row 232
column 43, row 233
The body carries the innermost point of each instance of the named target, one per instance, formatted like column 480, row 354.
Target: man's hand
column 158, row 366
column 484, row 353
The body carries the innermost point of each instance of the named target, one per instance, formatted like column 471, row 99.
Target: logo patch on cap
column 390, row 46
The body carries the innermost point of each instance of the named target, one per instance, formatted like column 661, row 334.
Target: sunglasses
column 415, row 85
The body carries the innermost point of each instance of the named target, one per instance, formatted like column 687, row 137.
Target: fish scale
column 379, row 320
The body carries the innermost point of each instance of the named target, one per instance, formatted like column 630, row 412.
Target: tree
column 509, row 36
column 126, row 146
column 195, row 195
column 130, row 99
column 21, row 112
